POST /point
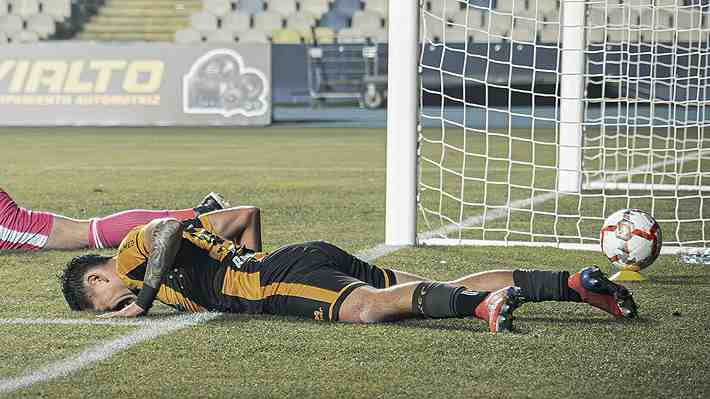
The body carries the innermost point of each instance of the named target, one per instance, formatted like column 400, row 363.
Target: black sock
column 540, row 286
column 439, row 300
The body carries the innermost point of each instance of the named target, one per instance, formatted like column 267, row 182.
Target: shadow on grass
column 644, row 321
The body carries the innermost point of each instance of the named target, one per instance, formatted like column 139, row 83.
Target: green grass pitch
column 321, row 184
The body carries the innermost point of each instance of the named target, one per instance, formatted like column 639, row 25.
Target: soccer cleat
column 497, row 309
column 212, row 202
column 597, row 290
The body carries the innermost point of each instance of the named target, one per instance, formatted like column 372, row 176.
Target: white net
column 496, row 122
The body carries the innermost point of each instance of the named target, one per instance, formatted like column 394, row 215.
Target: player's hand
column 131, row 310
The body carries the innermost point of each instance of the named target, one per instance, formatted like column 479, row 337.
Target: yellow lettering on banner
column 154, row 70
column 104, row 70
column 47, row 73
column 5, row 68
column 18, row 78
column 74, row 85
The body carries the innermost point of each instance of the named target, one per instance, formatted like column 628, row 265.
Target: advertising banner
column 135, row 84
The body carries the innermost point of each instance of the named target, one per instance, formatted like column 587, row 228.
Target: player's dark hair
column 72, row 280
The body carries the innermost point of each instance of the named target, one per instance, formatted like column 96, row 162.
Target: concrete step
column 136, row 27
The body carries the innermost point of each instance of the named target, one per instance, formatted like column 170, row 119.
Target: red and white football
column 631, row 239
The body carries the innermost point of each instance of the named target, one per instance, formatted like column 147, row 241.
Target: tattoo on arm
column 166, row 243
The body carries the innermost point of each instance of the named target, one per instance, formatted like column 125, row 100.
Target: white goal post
column 528, row 122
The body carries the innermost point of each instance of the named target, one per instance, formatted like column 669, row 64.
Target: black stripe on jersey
column 138, row 272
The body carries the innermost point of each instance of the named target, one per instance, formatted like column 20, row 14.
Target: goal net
column 540, row 118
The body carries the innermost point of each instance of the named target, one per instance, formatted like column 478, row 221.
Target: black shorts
column 310, row 280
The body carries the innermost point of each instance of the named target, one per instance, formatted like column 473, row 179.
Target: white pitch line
column 103, row 351
column 74, row 322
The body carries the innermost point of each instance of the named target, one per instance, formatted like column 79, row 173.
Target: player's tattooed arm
column 163, row 238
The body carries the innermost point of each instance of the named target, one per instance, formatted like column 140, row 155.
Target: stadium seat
column 524, row 32
column 688, row 19
column 542, row 7
column 236, row 22
column 283, row 7
column 221, row 36
column 188, row 36
column 379, row 6
column 25, row 36
column 315, row 7
column 657, row 36
column 59, row 10
column 42, row 24
column 432, row 28
column 550, row 36
column 285, row 36
column 367, row 21
column 669, row 3
column 379, row 36
column 515, row 7
column 303, row 23
column 446, row 8
column 324, row 35
column 25, row 8
column 498, row 24
column 346, row 7
column 3, row 11
column 250, row 6
column 219, row 8
column 472, row 19
column 204, row 22
column 11, row 25
column 253, row 36
column 351, row 35
column 268, row 21
column 334, row 20
column 455, row 34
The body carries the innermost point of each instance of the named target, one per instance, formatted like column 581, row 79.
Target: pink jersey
column 22, row 228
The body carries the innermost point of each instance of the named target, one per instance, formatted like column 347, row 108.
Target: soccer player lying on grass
column 22, row 228
column 212, row 264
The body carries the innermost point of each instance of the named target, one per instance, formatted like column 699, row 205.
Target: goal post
column 528, row 122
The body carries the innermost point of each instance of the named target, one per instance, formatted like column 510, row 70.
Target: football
column 631, row 239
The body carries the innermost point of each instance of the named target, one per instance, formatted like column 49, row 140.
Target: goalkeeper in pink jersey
column 22, row 228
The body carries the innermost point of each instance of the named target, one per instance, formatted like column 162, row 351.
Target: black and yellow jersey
column 211, row 274
column 195, row 281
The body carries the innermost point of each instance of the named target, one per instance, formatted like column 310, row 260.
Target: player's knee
column 365, row 305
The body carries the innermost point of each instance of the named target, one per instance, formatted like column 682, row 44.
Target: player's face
column 107, row 292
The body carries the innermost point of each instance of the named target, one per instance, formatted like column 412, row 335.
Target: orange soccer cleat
column 497, row 309
column 597, row 290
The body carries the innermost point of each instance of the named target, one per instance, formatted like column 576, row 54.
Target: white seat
column 524, row 31
column 315, row 7
column 351, row 35
column 657, row 36
column 668, row 3
column 204, row 22
column 221, row 36
column 303, row 23
column 432, row 28
column 688, row 19
column 236, row 22
column 3, row 38
column 11, row 25
column 455, row 34
column 380, row 36
column 188, row 36
column 25, row 8
column 283, row 7
column 379, row 6
column 367, row 21
column 660, row 19
column 542, row 7
column 3, row 11
column 445, row 8
column 268, row 21
column 549, row 35
column 59, row 10
column 253, row 36
column 219, row 8
column 25, row 36
column 498, row 24
column 596, row 17
column 473, row 18
column 41, row 24
column 593, row 35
